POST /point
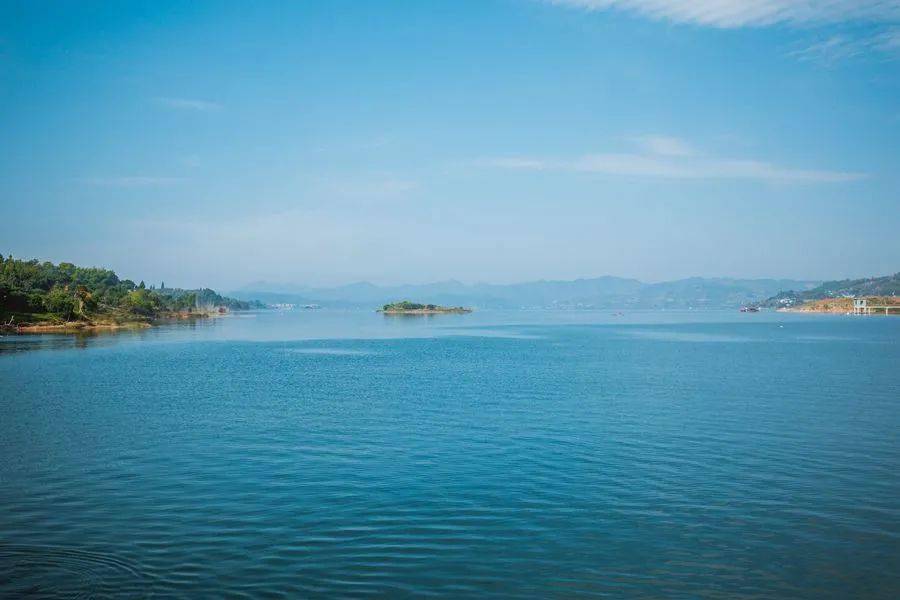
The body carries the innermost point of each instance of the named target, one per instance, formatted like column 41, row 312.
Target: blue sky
column 492, row 140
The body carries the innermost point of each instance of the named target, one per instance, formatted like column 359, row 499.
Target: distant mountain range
column 888, row 285
column 600, row 292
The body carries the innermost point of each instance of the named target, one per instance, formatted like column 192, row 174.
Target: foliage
column 141, row 302
column 34, row 290
column 206, row 298
column 406, row 305
column 60, row 302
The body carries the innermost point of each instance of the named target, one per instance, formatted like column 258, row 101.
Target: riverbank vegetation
column 43, row 295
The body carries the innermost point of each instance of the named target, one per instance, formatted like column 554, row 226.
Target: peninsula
column 412, row 308
column 839, row 296
column 888, row 305
column 40, row 297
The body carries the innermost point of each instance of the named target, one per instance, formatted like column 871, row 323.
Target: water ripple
column 46, row 572
column 571, row 461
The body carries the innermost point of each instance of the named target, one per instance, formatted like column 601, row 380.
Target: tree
column 66, row 271
column 85, row 301
column 61, row 303
column 141, row 302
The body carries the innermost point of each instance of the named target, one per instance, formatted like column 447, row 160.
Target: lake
column 497, row 454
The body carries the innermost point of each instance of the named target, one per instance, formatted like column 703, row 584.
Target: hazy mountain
column 600, row 292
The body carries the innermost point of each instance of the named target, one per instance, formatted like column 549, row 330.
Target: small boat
column 749, row 309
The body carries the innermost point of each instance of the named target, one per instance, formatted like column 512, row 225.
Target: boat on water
column 749, row 309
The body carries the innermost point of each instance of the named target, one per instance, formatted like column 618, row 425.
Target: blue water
column 497, row 454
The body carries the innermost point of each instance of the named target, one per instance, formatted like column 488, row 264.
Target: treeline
column 207, row 298
column 407, row 305
column 31, row 290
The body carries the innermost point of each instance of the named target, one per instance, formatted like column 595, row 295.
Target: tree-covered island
column 41, row 296
column 406, row 307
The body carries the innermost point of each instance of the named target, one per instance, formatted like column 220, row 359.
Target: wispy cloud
column 133, row 181
column 744, row 13
column 840, row 47
column 671, row 158
column 188, row 104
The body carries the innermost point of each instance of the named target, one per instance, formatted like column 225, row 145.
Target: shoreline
column 844, row 306
column 808, row 311
column 74, row 327
column 88, row 326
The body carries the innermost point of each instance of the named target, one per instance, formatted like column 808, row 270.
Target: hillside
column 888, row 285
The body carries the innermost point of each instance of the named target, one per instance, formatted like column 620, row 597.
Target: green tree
column 140, row 302
column 61, row 303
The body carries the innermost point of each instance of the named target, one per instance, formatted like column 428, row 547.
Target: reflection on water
column 10, row 343
column 83, row 338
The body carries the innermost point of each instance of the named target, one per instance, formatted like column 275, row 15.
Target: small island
column 412, row 308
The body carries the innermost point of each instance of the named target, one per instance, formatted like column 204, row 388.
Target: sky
column 321, row 143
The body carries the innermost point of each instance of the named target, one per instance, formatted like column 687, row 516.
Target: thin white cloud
column 744, row 13
column 830, row 50
column 889, row 41
column 188, row 104
column 840, row 47
column 133, row 181
column 670, row 158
